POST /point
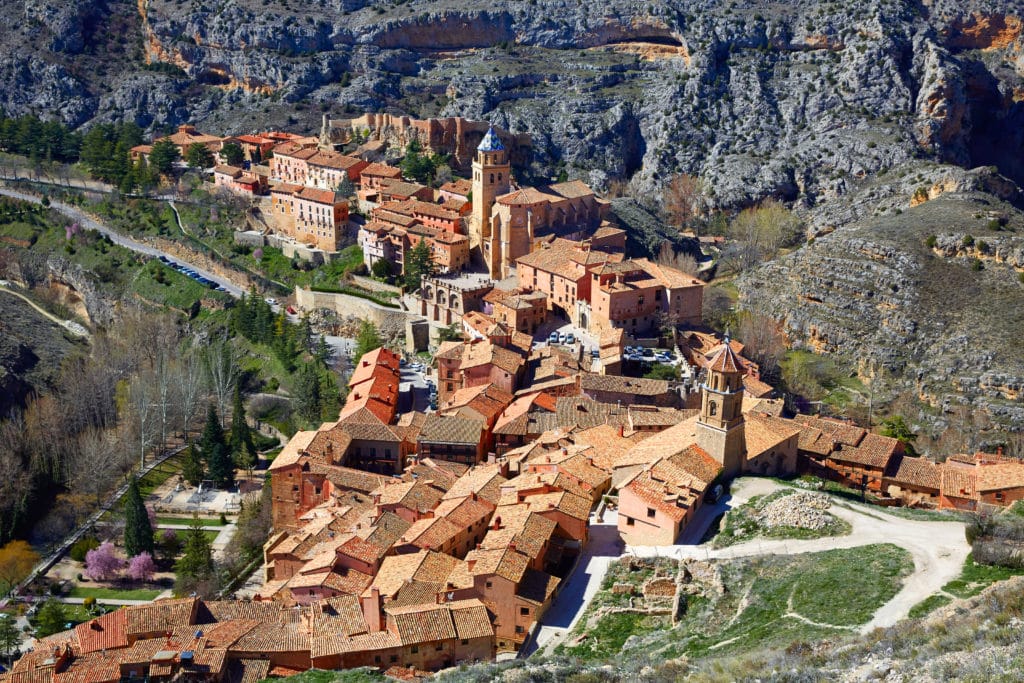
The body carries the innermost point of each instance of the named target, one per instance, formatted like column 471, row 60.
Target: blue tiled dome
column 491, row 142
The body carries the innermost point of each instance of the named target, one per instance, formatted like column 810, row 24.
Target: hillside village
column 422, row 537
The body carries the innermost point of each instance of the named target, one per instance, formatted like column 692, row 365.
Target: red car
column 291, row 310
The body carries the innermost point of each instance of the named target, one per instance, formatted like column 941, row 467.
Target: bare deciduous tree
column 763, row 342
column 189, row 380
column 222, row 371
column 683, row 199
column 680, row 260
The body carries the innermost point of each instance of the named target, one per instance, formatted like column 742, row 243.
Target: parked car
column 271, row 300
column 570, row 338
column 553, row 338
column 291, row 311
column 164, row 258
column 595, row 352
column 663, row 357
column 401, row 361
column 561, row 337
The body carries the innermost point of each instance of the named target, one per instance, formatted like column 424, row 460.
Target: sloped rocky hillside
column 925, row 292
column 794, row 99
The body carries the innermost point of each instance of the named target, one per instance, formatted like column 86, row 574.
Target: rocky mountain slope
column 794, row 99
column 920, row 287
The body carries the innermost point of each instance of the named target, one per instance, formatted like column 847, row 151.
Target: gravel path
column 938, row 548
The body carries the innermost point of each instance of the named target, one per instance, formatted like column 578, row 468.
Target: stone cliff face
column 931, row 294
column 795, row 101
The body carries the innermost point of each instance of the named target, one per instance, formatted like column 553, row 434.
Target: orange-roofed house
column 656, row 504
column 562, row 269
column 238, row 180
column 290, row 163
column 522, row 309
column 321, row 218
column 325, row 170
column 635, row 295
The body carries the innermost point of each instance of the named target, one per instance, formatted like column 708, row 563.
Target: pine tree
column 418, row 262
column 163, row 156
column 216, row 452
column 196, row 562
column 138, row 532
column 193, row 470
column 240, row 439
column 307, row 393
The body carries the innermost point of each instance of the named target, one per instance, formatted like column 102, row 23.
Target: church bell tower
column 491, row 170
column 720, row 424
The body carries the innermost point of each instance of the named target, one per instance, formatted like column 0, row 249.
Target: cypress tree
column 138, row 532
column 193, row 470
column 241, row 442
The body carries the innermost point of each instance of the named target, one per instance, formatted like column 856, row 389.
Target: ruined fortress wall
column 455, row 136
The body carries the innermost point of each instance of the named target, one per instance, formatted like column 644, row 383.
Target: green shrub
column 82, row 546
column 968, row 241
column 977, row 265
column 931, row 241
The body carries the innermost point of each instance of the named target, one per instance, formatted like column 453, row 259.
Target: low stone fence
column 347, row 305
column 372, row 285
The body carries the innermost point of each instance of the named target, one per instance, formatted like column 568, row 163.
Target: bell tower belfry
column 491, row 170
column 720, row 424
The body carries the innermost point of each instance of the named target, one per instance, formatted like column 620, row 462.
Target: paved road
column 603, row 548
column 83, row 219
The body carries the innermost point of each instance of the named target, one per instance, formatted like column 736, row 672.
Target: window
column 630, row 521
column 524, row 611
column 415, row 649
column 712, row 408
column 650, row 513
column 465, row 641
column 439, row 647
column 488, row 584
column 373, row 452
column 387, row 453
column 519, row 629
column 377, row 659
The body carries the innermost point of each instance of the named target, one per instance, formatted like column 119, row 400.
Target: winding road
column 938, row 550
column 90, row 223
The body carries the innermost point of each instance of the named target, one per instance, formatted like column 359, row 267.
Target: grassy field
column 160, row 474
column 741, row 524
column 114, row 593
column 182, row 535
column 977, row 577
column 187, row 521
column 768, row 602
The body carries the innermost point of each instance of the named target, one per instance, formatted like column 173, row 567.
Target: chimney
column 512, row 545
column 565, row 451
column 472, row 495
column 622, row 431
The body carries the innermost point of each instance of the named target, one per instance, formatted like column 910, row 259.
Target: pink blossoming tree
column 103, row 563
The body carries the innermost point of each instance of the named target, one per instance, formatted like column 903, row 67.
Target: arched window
column 712, row 408
column 492, row 177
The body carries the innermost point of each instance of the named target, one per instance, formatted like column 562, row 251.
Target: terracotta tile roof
column 504, row 562
column 417, row 593
column 421, row 624
column 418, row 495
column 919, row 472
column 381, row 171
column 471, row 619
column 400, row 188
column 160, row 616
column 464, row 512
column 292, row 450
column 334, row 160
column 103, row 633
column 875, row 451
column 318, row 196
column 395, row 570
column 1000, row 476
column 451, row 429
column 227, row 610
column 484, row 402
column 725, row 360
column 528, row 530
column 585, row 412
column 567, row 502
column 660, row 445
column 958, row 482
column 763, row 433
column 232, row 171
column 624, row 385
column 483, row 352
column 286, row 188
column 362, row 550
column 483, row 480
column 756, row 388
column 459, row 186
column 606, row 444
column 433, row 535
column 837, row 430
column 270, row 637
column 813, row 440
